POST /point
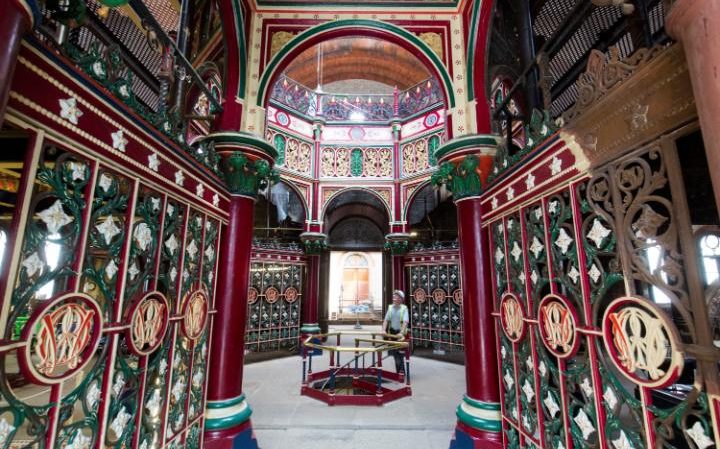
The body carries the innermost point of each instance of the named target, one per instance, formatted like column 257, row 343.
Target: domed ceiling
column 355, row 58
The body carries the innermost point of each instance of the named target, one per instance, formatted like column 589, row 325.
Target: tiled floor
column 284, row 419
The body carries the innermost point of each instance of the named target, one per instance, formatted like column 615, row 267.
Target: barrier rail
column 355, row 382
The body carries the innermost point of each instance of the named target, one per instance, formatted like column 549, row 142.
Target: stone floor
column 284, row 419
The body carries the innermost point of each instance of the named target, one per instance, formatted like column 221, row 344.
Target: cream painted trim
column 493, row 415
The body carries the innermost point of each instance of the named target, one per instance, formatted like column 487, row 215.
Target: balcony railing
column 337, row 107
column 132, row 52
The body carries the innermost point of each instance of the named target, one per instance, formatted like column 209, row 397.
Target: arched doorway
column 357, row 222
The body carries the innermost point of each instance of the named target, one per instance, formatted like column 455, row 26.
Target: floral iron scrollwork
column 244, row 176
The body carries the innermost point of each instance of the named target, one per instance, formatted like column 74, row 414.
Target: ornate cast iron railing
column 604, row 308
column 132, row 55
column 436, row 306
column 274, row 306
column 336, row 107
column 105, row 336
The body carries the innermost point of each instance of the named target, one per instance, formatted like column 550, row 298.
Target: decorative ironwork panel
column 293, row 153
column 602, row 319
column 419, row 155
column 97, row 319
column 436, row 305
column 274, row 306
column 356, row 162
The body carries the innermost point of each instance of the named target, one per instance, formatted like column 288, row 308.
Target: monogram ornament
column 291, row 294
column 64, row 334
column 195, row 314
column 512, row 317
column 149, row 319
column 252, row 295
column 420, row 296
column 642, row 342
column 272, row 295
column 557, row 321
column 438, row 296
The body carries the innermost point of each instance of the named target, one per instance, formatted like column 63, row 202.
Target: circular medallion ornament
column 291, row 294
column 438, row 296
column 457, row 296
column 642, row 342
column 272, row 295
column 431, row 120
column 282, row 118
column 420, row 295
column 62, row 337
column 252, row 295
column 149, row 320
column 195, row 314
column 512, row 317
column 557, row 321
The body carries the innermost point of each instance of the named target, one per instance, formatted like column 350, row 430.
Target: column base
column 467, row 437
column 238, row 437
column 227, row 425
column 479, row 425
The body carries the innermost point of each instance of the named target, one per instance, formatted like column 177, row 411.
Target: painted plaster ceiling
column 358, row 58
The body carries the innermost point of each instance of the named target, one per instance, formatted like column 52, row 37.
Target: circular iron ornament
column 252, row 295
column 642, row 341
column 512, row 317
column 431, row 120
column 272, row 295
column 557, row 320
column 420, row 295
column 195, row 314
column 438, row 296
column 457, row 296
column 291, row 294
column 62, row 337
column 282, row 118
column 149, row 319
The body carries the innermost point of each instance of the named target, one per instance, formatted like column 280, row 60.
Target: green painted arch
column 332, row 28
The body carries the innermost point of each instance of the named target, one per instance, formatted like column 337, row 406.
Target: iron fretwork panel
column 600, row 310
column 99, row 319
column 274, row 306
column 436, row 305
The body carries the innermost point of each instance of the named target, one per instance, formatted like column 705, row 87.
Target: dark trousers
column 398, row 355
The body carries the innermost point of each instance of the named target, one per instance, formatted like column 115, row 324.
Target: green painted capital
column 397, row 243
column 462, row 178
column 246, row 177
column 315, row 242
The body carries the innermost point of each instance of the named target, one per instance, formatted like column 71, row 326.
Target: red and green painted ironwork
column 274, row 306
column 436, row 318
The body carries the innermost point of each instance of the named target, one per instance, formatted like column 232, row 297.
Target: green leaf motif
column 246, row 177
column 356, row 162
column 280, row 147
column 463, row 180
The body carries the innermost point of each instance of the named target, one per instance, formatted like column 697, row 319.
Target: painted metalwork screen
column 108, row 302
column 436, row 305
column 274, row 306
column 602, row 304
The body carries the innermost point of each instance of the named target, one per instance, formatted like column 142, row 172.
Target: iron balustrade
column 136, row 59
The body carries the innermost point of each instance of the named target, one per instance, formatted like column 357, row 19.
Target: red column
column 398, row 272
column 310, row 301
column 695, row 23
column 15, row 20
column 227, row 418
column 479, row 413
